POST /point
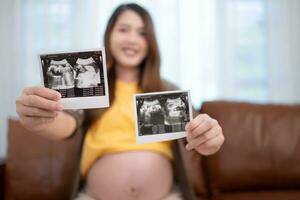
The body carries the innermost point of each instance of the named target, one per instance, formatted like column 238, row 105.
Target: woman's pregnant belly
column 130, row 175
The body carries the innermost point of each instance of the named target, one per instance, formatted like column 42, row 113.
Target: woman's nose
column 132, row 37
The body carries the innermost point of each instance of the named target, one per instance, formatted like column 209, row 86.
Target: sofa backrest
column 261, row 149
column 38, row 168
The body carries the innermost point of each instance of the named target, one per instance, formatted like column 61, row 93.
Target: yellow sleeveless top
column 115, row 130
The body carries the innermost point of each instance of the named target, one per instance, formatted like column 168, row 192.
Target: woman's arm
column 40, row 112
column 62, row 127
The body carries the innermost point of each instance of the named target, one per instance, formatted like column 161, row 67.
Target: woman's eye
column 142, row 33
column 123, row 30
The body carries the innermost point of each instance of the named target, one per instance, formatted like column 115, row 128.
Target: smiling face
column 128, row 43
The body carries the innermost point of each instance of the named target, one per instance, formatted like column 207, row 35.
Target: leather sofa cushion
column 35, row 165
column 260, row 195
column 261, row 149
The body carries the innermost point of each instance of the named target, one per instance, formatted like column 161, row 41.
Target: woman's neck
column 127, row 75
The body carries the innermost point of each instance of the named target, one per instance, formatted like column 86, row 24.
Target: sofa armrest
column 192, row 164
column 2, row 177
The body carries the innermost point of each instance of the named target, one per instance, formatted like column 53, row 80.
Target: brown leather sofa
column 259, row 160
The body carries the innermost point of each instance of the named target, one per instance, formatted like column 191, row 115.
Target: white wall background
column 244, row 50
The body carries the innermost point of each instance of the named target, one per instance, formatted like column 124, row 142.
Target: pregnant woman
column 113, row 165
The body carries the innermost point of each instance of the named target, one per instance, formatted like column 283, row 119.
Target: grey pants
column 175, row 194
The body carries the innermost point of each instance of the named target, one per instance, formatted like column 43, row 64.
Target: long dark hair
column 149, row 77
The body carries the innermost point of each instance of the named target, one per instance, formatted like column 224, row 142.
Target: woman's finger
column 36, row 112
column 211, row 146
column 40, row 102
column 36, row 123
column 193, row 142
column 194, row 123
column 42, row 92
column 201, row 128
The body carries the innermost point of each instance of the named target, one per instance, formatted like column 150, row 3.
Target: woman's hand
column 37, row 107
column 204, row 135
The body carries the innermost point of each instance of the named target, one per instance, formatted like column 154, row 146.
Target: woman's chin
column 130, row 62
column 129, row 65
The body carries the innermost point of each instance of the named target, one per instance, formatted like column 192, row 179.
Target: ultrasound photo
column 162, row 113
column 76, row 75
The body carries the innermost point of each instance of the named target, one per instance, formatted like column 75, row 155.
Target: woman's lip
column 130, row 51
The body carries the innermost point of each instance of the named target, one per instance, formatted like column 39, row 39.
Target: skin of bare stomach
column 130, row 175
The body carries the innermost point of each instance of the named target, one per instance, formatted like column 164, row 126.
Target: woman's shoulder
column 167, row 85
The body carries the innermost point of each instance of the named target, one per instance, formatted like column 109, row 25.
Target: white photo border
column 82, row 102
column 165, row 136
